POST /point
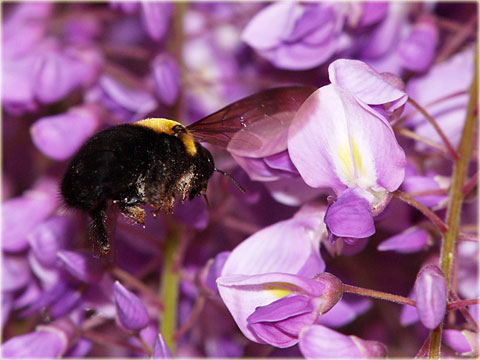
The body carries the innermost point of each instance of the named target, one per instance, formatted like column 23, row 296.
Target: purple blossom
column 463, row 342
column 431, row 296
column 60, row 136
column 318, row 341
column 410, row 240
column 131, row 312
column 272, row 308
column 337, row 140
column 295, row 36
column 417, row 51
column 49, row 341
column 166, row 75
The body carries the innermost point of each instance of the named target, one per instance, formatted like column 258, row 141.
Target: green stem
column 456, row 196
column 169, row 291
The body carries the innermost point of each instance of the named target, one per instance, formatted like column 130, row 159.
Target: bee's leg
column 98, row 232
column 129, row 208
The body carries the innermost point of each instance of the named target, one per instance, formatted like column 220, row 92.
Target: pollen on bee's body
column 161, row 125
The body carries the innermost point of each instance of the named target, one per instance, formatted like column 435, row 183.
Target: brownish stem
column 453, row 153
column 414, row 136
column 423, row 209
column 378, row 295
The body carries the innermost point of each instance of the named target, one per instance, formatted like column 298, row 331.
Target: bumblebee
column 155, row 161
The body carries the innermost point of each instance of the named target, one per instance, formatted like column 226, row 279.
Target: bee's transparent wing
column 256, row 125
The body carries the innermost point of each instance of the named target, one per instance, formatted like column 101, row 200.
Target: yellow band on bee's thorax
column 161, row 125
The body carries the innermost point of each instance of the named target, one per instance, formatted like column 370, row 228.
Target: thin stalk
column 470, row 184
column 423, row 209
column 456, row 196
column 169, row 291
column 462, row 303
column 103, row 339
column 451, row 150
column 413, row 135
column 378, row 295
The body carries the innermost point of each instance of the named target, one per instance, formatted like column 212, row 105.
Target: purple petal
column 243, row 294
column 344, row 312
column 281, row 309
column 450, row 114
column 156, row 17
column 55, row 76
column 318, row 341
column 421, row 183
column 66, row 303
column 417, row 51
column 387, row 33
column 15, row 272
column 410, row 241
column 370, row 349
column 271, row 250
column 373, row 12
column 80, row 349
column 431, row 294
column 31, row 294
column 47, row 342
column 166, row 75
column 270, row 334
column 126, row 6
column 292, row 191
column 350, row 216
column 17, row 84
column 463, row 342
column 336, row 141
column 38, row 344
column 258, row 170
column 130, row 98
column 60, row 136
column 214, row 269
column 131, row 312
column 301, row 56
column 161, row 349
column 22, row 214
column 193, row 213
column 409, row 314
column 50, row 236
column 281, row 161
column 48, row 275
column 82, row 265
column 365, row 83
column 277, row 16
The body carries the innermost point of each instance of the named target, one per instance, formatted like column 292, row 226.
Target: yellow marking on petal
column 161, row 125
column 280, row 290
column 346, row 162
column 357, row 158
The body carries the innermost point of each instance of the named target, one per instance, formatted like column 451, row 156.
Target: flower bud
column 431, row 295
column 132, row 313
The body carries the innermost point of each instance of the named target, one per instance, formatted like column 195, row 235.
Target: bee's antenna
column 240, row 187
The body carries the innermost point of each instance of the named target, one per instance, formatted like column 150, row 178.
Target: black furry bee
column 154, row 161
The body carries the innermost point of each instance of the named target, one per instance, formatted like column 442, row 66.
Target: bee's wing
column 256, row 125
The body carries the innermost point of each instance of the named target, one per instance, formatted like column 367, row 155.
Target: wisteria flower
column 340, row 138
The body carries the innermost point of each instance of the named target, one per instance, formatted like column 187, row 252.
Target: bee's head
column 205, row 167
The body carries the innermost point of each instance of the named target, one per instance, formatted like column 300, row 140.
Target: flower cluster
column 357, row 236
